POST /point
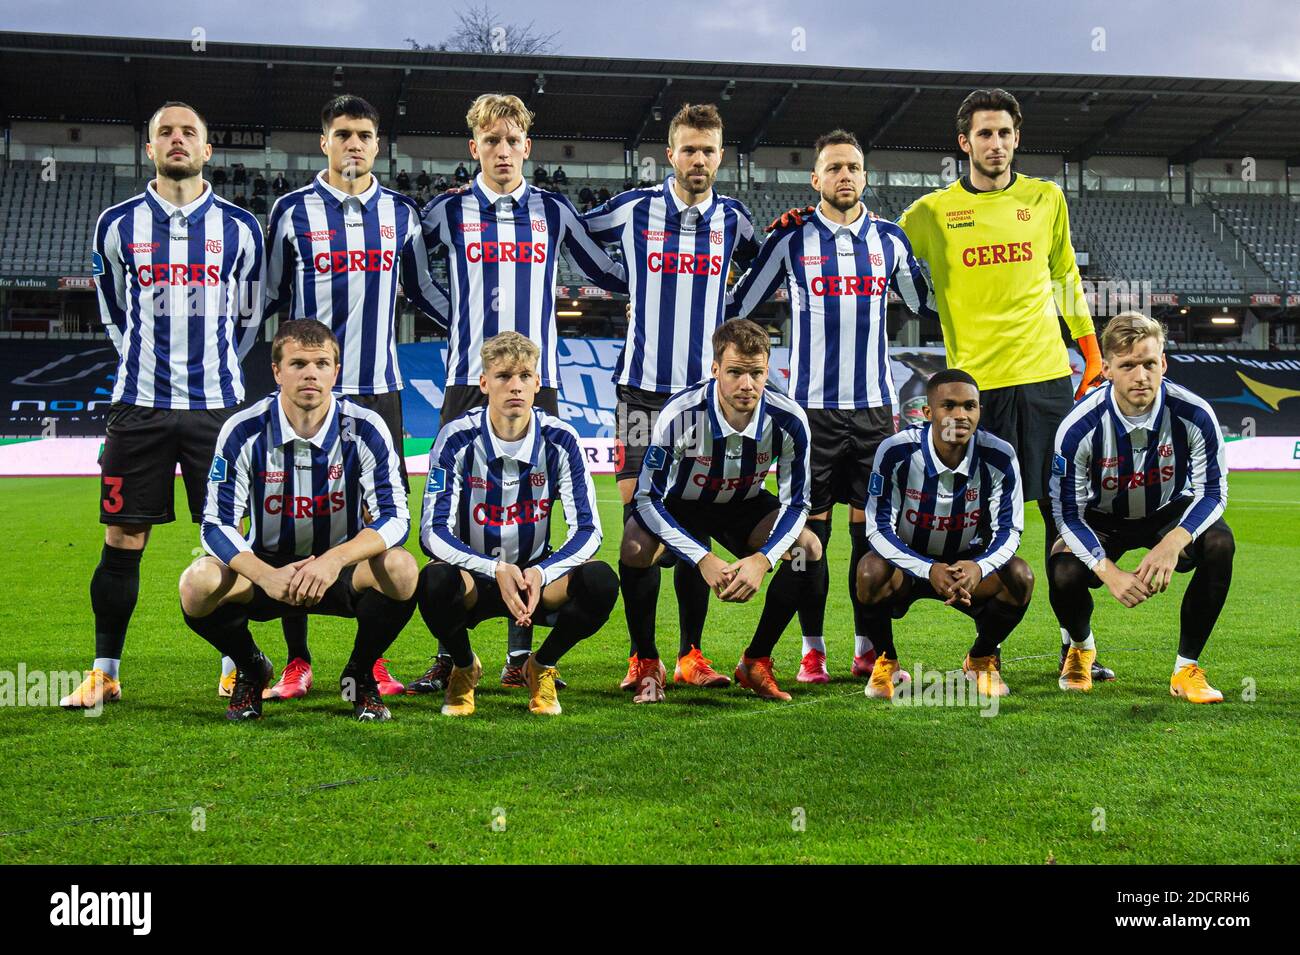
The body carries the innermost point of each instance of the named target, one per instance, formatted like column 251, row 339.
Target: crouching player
column 1139, row 463
column 306, row 467
column 702, row 477
column 494, row 474
column 944, row 517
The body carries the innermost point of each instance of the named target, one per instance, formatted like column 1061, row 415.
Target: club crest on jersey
column 1022, row 215
column 715, row 237
column 213, row 246
column 764, row 457
column 96, row 264
column 1058, row 464
column 218, row 470
column 972, row 494
column 335, row 471
column 388, row 231
column 539, row 225
column 876, row 484
column 656, row 457
column 437, row 481
column 538, row 479
column 878, row 259
column 1166, row 450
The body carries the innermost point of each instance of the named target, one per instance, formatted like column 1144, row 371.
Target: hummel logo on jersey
column 876, row 484
column 437, row 481
column 218, row 471
column 656, row 456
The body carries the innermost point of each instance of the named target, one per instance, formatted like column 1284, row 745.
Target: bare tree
column 481, row 30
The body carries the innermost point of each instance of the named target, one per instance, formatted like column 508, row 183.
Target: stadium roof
column 107, row 79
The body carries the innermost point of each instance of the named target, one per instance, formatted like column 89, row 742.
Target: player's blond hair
column 490, row 107
column 1127, row 329
column 511, row 349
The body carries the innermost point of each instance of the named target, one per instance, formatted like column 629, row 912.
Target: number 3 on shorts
column 112, row 502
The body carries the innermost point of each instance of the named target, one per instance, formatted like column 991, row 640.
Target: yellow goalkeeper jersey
column 1002, row 267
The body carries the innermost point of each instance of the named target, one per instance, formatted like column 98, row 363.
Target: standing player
column 1140, row 463
column 179, row 274
column 839, row 264
column 336, row 248
column 502, row 238
column 945, row 515
column 494, row 475
column 317, row 476
column 998, row 247
column 679, row 239
column 702, row 478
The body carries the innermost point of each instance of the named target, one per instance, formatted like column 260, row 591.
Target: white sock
column 1180, row 662
column 1087, row 644
column 862, row 645
column 108, row 664
column 227, row 665
column 1065, row 637
column 814, row 643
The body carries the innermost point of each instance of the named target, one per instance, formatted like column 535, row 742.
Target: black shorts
column 1026, row 417
column 389, row 407
column 490, row 604
column 339, row 601
column 137, row 465
column 634, row 417
column 917, row 588
column 1118, row 536
column 730, row 524
column 457, row 399
column 842, row 450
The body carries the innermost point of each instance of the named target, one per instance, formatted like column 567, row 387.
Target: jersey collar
column 677, row 209
column 490, row 197
column 934, row 465
column 718, row 421
column 282, row 431
column 338, row 197
column 1146, row 423
column 527, row 453
column 163, row 210
column 970, row 187
column 855, row 228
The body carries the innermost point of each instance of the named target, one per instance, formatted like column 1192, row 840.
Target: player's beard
column 179, row 170
column 988, row 172
column 842, row 203
column 689, row 182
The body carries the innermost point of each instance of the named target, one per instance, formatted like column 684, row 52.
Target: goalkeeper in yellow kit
column 1002, row 268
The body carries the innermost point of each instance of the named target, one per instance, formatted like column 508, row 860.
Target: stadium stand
column 1269, row 227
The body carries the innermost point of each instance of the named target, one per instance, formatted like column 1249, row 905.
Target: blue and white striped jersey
column 1131, row 469
column 695, row 455
column 839, row 279
column 336, row 258
column 180, row 293
column 920, row 511
column 678, row 259
column 302, row 495
column 484, row 502
column 501, row 258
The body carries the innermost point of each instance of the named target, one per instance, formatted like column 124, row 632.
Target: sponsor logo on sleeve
column 96, row 264
column 656, row 457
column 218, row 471
column 1058, row 464
column 876, row 485
column 437, row 481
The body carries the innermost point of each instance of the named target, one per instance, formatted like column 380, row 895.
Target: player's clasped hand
column 313, row 577
column 1128, row 589
column 1156, row 569
column 278, row 582
column 946, row 579
column 747, row 577
column 515, row 589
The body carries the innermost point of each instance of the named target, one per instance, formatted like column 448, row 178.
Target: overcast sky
column 1255, row 40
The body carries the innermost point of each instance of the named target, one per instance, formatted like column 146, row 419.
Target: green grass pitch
column 1123, row 775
